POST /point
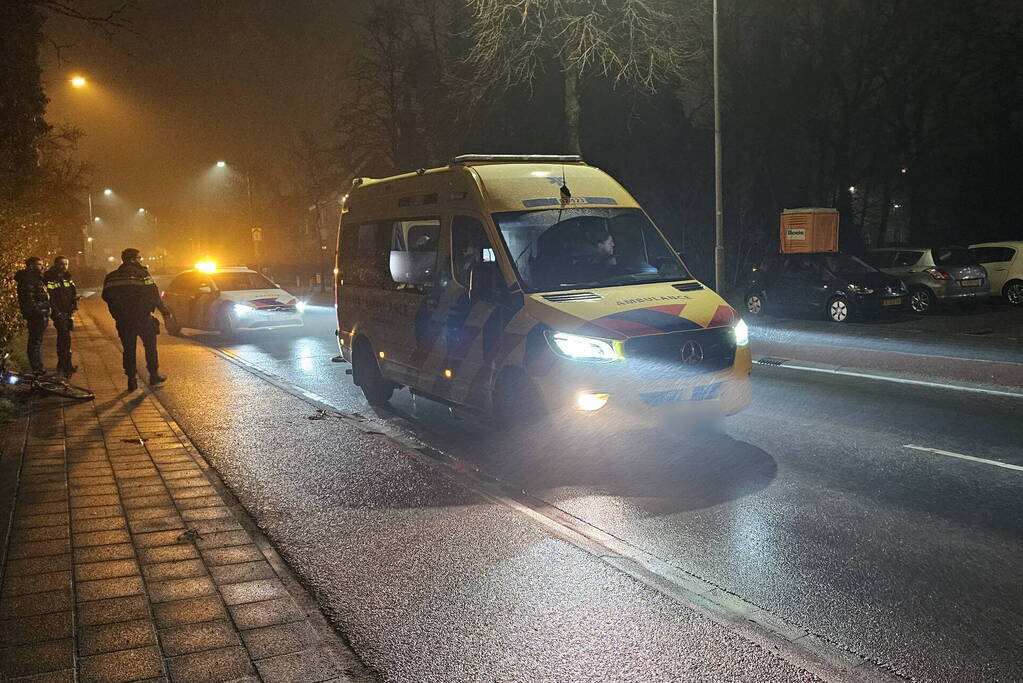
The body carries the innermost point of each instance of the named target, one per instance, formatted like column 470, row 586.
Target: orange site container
column 809, row 230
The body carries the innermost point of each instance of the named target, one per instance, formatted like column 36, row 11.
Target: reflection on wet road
column 807, row 505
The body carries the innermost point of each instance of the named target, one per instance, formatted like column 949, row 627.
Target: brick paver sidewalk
column 124, row 558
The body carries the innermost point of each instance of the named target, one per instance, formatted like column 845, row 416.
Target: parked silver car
column 935, row 275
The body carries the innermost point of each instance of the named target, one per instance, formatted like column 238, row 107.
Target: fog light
column 590, row 402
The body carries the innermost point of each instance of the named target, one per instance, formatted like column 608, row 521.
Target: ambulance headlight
column 741, row 333
column 577, row 347
column 243, row 309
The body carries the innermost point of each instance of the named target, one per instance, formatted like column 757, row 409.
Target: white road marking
column 971, row 458
column 837, row 370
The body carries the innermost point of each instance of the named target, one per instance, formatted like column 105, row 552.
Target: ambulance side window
column 413, row 252
column 363, row 254
column 469, row 246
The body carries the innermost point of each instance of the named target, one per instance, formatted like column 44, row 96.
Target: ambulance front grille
column 661, row 356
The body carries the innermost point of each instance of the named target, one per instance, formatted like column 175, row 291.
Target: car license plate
column 892, row 302
column 970, row 283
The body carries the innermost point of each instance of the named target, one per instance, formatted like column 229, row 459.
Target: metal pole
column 719, row 228
column 88, row 233
column 248, row 194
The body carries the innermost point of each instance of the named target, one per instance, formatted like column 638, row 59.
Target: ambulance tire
column 517, row 401
column 367, row 376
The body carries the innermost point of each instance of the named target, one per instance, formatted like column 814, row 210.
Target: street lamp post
column 719, row 226
column 256, row 235
column 90, row 224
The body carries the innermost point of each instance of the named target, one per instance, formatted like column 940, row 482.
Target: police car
column 228, row 299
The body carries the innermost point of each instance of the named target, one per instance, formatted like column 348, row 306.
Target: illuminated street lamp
column 141, row 210
column 248, row 196
column 78, row 82
column 107, row 192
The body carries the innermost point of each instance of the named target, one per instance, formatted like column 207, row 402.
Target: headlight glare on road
column 741, row 333
column 300, row 307
column 856, row 289
column 242, row 309
column 577, row 347
column 590, row 402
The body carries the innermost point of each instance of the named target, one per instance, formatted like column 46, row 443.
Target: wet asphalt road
column 808, row 505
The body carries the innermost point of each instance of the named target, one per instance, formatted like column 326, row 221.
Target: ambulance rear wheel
column 367, row 376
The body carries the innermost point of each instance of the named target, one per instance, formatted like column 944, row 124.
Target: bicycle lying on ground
column 47, row 384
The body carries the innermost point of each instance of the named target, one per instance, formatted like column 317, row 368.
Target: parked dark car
column 839, row 286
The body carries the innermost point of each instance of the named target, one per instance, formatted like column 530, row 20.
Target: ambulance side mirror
column 485, row 282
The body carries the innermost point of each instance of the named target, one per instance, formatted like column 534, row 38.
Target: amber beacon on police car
column 524, row 286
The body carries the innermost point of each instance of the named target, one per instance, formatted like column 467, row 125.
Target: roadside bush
column 20, row 237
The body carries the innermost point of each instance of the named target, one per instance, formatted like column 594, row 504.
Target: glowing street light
column 221, row 164
column 78, row 82
column 107, row 192
column 90, row 239
column 95, row 219
column 141, row 210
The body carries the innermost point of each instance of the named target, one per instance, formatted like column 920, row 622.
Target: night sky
column 193, row 82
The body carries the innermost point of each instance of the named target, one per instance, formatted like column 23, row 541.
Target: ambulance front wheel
column 366, row 374
column 517, row 400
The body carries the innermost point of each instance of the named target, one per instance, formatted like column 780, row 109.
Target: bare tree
column 637, row 43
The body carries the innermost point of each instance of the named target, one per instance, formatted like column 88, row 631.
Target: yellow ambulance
column 528, row 286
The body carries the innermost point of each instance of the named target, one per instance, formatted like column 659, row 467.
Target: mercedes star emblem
column 692, row 353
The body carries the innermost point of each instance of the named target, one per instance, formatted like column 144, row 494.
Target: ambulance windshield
column 583, row 248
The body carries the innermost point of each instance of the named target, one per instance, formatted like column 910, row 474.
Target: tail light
column 937, row 274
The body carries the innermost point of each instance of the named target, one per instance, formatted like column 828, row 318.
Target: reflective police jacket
column 130, row 293
column 63, row 294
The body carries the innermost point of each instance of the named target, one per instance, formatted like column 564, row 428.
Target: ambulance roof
column 519, row 182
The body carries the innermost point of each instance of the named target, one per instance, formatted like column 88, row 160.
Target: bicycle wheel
column 64, row 389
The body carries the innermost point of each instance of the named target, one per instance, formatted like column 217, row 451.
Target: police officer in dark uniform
column 63, row 304
column 34, row 302
column 132, row 296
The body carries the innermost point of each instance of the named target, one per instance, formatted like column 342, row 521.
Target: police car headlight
column 300, row 307
column 582, row 348
column 741, row 332
column 242, row 309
